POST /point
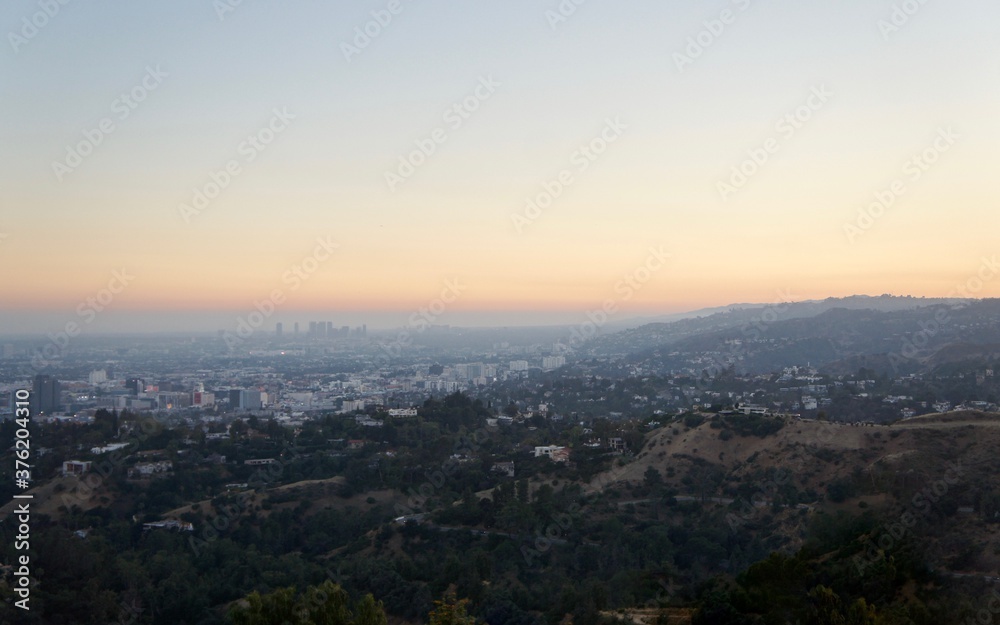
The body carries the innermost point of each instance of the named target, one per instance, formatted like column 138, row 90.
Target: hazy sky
column 670, row 97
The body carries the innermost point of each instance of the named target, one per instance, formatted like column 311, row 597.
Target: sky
column 187, row 163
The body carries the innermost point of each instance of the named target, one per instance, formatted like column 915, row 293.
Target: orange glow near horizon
column 644, row 221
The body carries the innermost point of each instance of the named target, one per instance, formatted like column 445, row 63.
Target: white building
column 547, row 450
column 304, row 398
column 168, row 525
column 201, row 398
column 518, row 365
column 108, row 448
column 75, row 467
column 555, row 453
column 350, row 405
column 150, row 469
column 506, row 468
column 553, row 362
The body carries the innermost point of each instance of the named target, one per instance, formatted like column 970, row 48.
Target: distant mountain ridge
column 884, row 332
column 882, row 303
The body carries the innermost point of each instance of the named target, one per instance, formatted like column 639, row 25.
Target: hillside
column 943, row 468
column 621, row 532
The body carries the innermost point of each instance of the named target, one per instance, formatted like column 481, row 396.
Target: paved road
column 721, row 500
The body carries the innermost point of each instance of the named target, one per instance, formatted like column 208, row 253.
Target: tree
column 828, row 609
column 106, row 423
column 652, row 478
column 450, row 611
column 368, row 612
column 522, row 491
column 237, row 428
column 326, row 604
column 274, row 608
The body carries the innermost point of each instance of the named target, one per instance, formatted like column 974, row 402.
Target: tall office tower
column 329, row 330
column 242, row 399
column 45, row 394
column 252, row 400
column 278, row 329
column 296, row 328
column 136, row 385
